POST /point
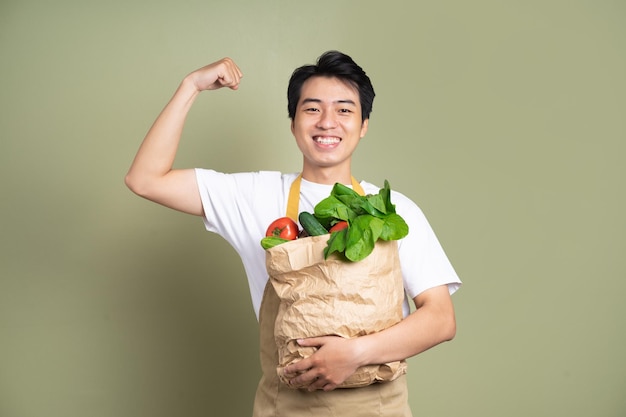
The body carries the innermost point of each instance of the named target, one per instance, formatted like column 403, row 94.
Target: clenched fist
column 223, row 73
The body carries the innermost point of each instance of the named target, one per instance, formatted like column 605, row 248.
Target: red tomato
column 339, row 226
column 284, row 227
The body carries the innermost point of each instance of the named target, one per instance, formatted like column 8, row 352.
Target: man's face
column 327, row 126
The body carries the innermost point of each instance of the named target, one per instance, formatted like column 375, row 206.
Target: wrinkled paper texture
column 333, row 296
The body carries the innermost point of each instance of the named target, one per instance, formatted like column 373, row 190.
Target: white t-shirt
column 239, row 207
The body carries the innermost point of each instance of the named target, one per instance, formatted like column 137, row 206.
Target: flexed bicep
column 178, row 190
column 151, row 175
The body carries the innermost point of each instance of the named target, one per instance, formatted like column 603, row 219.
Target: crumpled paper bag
column 334, row 296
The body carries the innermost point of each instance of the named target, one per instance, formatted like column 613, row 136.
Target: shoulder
column 245, row 179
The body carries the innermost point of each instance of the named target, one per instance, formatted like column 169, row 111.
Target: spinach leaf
column 394, row 228
column 336, row 243
column 370, row 218
column 377, row 204
column 339, row 189
column 362, row 236
column 385, row 194
column 332, row 207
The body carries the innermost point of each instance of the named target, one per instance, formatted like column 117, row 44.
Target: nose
column 327, row 120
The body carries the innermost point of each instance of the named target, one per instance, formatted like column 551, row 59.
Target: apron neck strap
column 293, row 202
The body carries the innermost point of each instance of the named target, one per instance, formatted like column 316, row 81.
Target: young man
column 329, row 106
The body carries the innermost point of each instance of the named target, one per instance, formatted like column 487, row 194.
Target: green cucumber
column 311, row 224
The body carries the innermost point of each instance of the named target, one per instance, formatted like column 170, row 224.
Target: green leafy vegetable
column 394, row 227
column 369, row 217
column 271, row 241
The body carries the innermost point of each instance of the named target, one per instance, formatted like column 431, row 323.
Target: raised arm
column 151, row 174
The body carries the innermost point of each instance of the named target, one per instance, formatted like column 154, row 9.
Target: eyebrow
column 317, row 100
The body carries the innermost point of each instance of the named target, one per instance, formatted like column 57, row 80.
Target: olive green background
column 503, row 120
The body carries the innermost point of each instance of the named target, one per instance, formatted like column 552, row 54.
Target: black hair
column 332, row 64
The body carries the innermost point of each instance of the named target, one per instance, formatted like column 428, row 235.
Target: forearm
column 337, row 358
column 433, row 322
column 157, row 152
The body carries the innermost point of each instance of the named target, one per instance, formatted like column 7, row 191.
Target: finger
column 229, row 82
column 311, row 342
column 320, row 384
column 235, row 79
column 230, row 74
column 306, row 379
column 236, row 73
column 228, row 79
column 235, row 76
column 297, row 368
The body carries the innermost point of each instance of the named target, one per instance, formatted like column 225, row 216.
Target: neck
column 328, row 176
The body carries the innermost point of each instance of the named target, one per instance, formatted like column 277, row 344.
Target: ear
column 364, row 127
column 292, row 128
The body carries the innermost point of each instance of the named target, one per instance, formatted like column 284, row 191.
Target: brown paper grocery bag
column 335, row 296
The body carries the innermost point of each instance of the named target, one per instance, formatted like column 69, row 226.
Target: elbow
column 449, row 329
column 135, row 184
column 130, row 182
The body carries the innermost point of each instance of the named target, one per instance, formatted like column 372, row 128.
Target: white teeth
column 327, row 141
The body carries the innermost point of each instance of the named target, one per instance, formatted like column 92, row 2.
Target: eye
column 311, row 109
column 345, row 111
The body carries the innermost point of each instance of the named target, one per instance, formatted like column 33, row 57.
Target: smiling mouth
column 327, row 140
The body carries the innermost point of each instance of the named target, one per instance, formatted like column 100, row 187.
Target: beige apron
column 275, row 399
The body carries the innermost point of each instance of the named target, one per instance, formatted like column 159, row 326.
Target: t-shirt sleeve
column 424, row 263
column 238, row 206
